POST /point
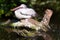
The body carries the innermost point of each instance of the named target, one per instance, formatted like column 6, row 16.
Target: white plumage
column 24, row 12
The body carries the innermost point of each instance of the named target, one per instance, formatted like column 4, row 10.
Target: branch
column 47, row 16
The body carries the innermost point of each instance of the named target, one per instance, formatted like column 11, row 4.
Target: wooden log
column 33, row 24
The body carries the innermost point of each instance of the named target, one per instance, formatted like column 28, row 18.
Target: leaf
column 23, row 0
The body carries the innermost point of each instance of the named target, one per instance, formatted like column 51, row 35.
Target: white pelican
column 23, row 11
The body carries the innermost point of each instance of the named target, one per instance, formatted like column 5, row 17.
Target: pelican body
column 23, row 12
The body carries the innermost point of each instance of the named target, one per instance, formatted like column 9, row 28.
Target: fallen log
column 33, row 28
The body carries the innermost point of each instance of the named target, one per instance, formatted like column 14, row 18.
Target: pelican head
column 23, row 6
